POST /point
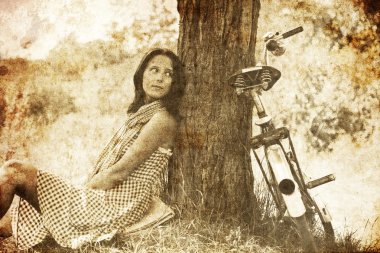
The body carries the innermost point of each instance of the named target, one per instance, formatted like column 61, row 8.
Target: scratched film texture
column 66, row 80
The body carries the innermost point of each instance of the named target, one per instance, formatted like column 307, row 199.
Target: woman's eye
column 169, row 74
column 154, row 70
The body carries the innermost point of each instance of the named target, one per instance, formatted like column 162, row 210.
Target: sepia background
column 66, row 81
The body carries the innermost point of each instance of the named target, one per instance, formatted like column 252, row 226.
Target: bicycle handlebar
column 262, row 76
column 292, row 32
column 277, row 36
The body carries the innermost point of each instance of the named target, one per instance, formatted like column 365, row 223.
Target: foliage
column 45, row 106
column 332, row 88
column 71, row 58
column 159, row 30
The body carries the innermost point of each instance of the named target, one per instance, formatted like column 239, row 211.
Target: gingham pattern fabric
column 116, row 147
column 73, row 216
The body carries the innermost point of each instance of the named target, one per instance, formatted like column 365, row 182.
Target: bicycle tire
column 322, row 231
column 288, row 231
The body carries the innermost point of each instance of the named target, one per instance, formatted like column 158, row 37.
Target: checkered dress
column 74, row 216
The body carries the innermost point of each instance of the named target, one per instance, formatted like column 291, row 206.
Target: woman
column 121, row 187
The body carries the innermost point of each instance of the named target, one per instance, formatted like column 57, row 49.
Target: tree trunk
column 211, row 171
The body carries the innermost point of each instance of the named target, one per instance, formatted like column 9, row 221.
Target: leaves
column 330, row 72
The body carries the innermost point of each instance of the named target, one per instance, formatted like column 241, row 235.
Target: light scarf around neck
column 116, row 148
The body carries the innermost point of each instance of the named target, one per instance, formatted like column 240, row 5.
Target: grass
column 193, row 235
column 196, row 235
column 186, row 234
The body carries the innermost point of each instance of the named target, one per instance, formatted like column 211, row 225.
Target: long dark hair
column 172, row 99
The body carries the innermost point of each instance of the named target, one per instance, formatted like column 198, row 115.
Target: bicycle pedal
column 320, row 181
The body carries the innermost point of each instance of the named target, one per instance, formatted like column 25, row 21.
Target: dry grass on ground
column 195, row 235
column 177, row 236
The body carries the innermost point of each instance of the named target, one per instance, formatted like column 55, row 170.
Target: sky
column 31, row 28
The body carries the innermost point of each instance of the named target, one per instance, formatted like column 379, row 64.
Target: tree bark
column 211, row 172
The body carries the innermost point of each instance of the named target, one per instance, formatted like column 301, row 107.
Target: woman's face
column 157, row 78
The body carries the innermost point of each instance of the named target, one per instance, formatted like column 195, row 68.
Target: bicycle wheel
column 319, row 221
column 317, row 215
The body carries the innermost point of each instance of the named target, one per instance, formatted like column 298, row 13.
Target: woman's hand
column 159, row 131
column 103, row 181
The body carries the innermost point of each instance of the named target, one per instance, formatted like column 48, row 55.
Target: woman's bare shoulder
column 165, row 120
column 164, row 127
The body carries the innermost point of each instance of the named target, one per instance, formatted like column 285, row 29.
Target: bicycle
column 279, row 165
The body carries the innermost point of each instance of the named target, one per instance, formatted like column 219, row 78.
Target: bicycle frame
column 263, row 77
column 270, row 137
column 281, row 171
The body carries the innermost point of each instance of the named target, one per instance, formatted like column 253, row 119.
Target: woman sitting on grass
column 120, row 190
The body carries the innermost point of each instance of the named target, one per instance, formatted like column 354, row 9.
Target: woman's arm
column 159, row 131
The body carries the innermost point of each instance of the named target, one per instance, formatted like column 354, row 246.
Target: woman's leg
column 19, row 178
